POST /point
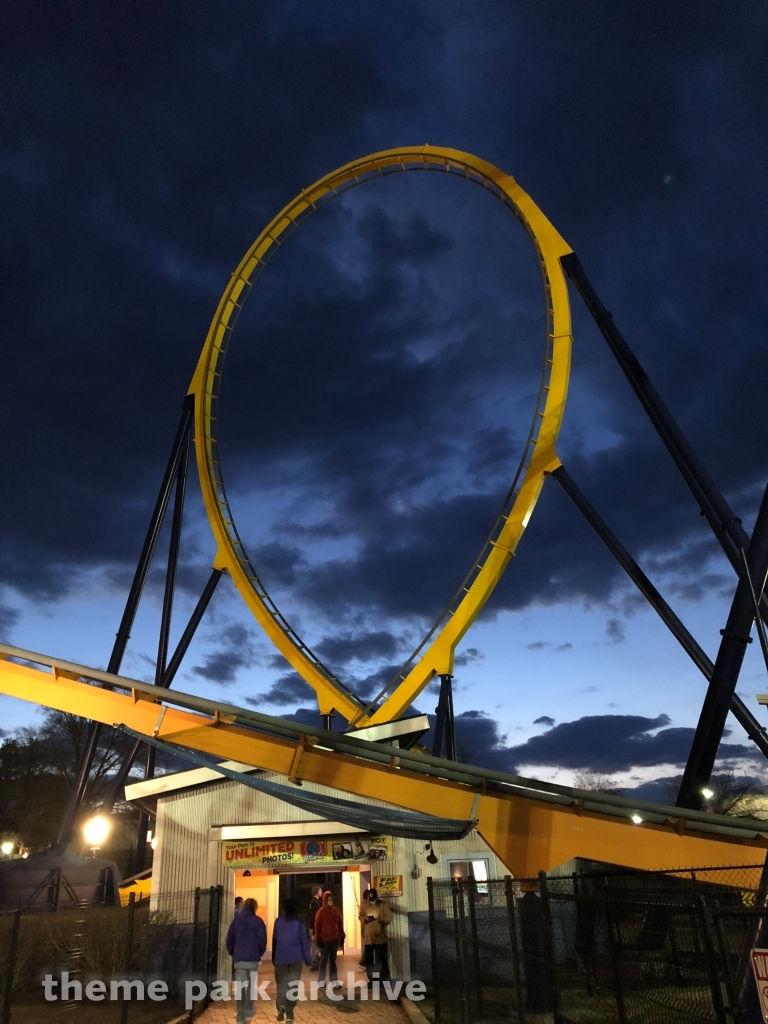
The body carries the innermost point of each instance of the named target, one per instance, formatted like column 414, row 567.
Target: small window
column 477, row 869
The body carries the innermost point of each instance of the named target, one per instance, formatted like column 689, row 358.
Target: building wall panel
column 186, row 857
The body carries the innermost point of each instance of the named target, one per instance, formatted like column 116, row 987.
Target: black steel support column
column 444, row 725
column 123, row 634
column 740, row 711
column 730, row 656
column 165, row 628
column 725, row 525
column 173, row 666
column 450, row 726
column 194, row 622
column 173, row 562
column 328, row 721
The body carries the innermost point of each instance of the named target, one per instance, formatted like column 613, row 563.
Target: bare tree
column 595, row 782
column 739, row 796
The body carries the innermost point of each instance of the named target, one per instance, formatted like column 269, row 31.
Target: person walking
column 375, row 917
column 246, row 942
column 290, row 948
column 314, row 905
column 329, row 932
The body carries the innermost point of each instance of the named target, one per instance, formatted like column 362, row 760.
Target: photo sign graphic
column 305, row 851
column 760, row 967
column 388, row 885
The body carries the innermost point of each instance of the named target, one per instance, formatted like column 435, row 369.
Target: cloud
column 467, row 657
column 378, row 387
column 308, row 716
column 479, row 742
column 606, row 744
column 567, row 646
column 616, row 631
column 538, row 645
column 8, row 619
column 365, row 646
column 288, row 689
column 236, row 652
column 612, row 743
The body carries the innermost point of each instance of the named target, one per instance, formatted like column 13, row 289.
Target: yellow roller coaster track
column 435, row 654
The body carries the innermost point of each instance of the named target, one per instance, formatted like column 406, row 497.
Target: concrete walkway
column 318, row 1011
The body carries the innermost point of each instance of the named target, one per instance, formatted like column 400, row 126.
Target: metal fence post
column 725, row 959
column 472, row 894
column 516, row 973
column 711, row 958
column 433, row 948
column 614, row 953
column 128, row 955
column 194, row 963
column 744, row 982
column 212, row 938
column 553, row 979
column 458, row 928
column 11, row 970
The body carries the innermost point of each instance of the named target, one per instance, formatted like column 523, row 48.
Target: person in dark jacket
column 314, row 905
column 246, row 942
column 290, row 948
column 329, row 932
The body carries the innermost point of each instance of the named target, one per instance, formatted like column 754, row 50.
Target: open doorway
column 269, row 889
column 299, row 887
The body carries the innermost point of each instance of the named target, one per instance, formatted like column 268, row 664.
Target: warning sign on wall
column 760, row 967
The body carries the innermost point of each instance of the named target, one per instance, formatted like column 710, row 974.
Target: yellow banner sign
column 388, row 885
column 320, row 851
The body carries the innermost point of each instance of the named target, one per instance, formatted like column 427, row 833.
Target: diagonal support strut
column 738, row 708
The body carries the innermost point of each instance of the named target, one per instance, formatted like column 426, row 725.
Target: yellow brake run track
column 532, row 826
column 540, row 457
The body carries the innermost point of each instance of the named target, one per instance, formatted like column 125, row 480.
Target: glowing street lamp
column 96, row 831
column 637, row 819
column 707, row 793
column 6, row 848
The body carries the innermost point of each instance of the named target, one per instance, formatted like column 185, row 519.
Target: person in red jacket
column 329, row 932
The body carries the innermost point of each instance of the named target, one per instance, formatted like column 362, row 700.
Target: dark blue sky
column 380, row 381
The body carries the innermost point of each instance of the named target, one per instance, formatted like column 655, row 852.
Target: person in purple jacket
column 246, row 943
column 290, row 948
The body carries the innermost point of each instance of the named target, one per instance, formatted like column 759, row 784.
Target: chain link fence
column 598, row 948
column 109, row 964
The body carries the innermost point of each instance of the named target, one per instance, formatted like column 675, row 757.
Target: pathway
column 319, row 1011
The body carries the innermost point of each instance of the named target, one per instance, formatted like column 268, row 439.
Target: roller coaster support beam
column 173, row 666
column 531, row 825
column 444, row 721
column 725, row 525
column 165, row 631
column 738, row 708
column 180, row 447
column 730, row 656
